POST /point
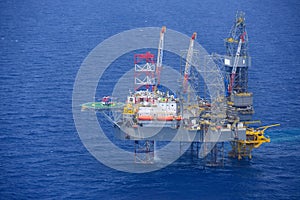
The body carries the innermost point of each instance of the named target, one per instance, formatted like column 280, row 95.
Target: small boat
column 145, row 118
column 165, row 118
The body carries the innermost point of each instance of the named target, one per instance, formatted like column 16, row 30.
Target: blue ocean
column 43, row 44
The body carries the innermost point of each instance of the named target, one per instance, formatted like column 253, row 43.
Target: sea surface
column 43, row 44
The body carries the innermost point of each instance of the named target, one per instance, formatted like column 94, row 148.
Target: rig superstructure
column 227, row 118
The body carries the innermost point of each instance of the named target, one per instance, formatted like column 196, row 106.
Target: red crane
column 189, row 58
column 160, row 55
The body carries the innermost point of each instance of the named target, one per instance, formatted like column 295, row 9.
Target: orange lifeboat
column 165, row 118
column 178, row 118
column 145, row 118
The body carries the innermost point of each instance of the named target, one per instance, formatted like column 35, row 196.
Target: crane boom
column 189, row 58
column 236, row 61
column 160, row 55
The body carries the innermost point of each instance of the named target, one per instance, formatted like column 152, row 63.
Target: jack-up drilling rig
column 148, row 109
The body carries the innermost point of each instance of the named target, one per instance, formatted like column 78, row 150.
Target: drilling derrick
column 236, row 62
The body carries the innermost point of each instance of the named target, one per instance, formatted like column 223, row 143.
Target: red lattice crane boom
column 160, row 55
column 189, row 58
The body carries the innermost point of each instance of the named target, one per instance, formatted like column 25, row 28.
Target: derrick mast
column 236, row 62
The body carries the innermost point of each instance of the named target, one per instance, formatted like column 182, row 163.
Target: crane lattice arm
column 236, row 61
column 160, row 55
column 189, row 58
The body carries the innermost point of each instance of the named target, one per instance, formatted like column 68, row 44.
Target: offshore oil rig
column 154, row 114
